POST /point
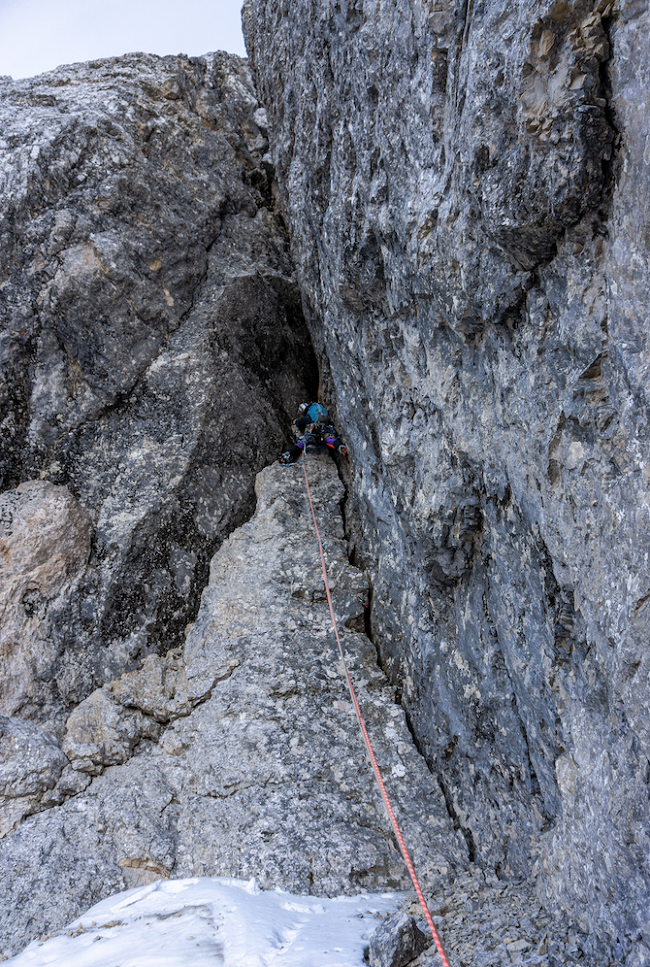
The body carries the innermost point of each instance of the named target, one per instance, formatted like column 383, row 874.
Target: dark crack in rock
column 152, row 348
column 466, row 188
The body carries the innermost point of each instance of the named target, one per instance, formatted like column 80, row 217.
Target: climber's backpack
column 319, row 416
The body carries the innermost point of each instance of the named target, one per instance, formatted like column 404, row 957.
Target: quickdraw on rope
column 366, row 739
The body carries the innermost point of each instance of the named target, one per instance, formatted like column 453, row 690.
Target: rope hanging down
column 366, row 739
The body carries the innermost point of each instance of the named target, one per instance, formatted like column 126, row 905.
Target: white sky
column 39, row 35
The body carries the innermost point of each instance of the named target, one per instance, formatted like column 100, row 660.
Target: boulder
column 396, row 942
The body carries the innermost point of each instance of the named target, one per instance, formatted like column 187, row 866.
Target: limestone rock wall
column 238, row 754
column 466, row 185
column 152, row 349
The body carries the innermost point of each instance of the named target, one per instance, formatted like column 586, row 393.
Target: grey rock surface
column 263, row 771
column 45, row 542
column 485, row 923
column 31, row 764
column 396, row 942
column 151, row 343
column 466, row 187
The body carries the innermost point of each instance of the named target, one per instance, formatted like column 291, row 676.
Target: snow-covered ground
column 209, row 921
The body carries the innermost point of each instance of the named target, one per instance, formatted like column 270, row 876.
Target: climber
column 311, row 413
column 317, row 430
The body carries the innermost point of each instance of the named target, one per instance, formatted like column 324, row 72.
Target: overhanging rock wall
column 466, row 187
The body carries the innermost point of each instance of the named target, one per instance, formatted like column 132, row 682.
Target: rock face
column 242, row 756
column 466, row 188
column 152, row 349
column 31, row 764
column 45, row 538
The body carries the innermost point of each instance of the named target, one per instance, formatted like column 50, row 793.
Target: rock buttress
column 241, row 756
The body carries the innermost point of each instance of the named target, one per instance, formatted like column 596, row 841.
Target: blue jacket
column 313, row 413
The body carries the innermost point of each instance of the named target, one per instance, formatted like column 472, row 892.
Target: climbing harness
column 366, row 739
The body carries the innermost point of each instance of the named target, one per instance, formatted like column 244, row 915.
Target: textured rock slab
column 267, row 775
column 466, row 187
column 151, row 339
column 483, row 923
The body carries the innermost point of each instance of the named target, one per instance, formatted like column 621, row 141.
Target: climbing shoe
column 343, row 450
column 285, row 457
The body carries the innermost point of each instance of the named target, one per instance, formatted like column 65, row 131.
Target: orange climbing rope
column 366, row 738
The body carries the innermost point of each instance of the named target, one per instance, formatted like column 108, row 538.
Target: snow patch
column 211, row 921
